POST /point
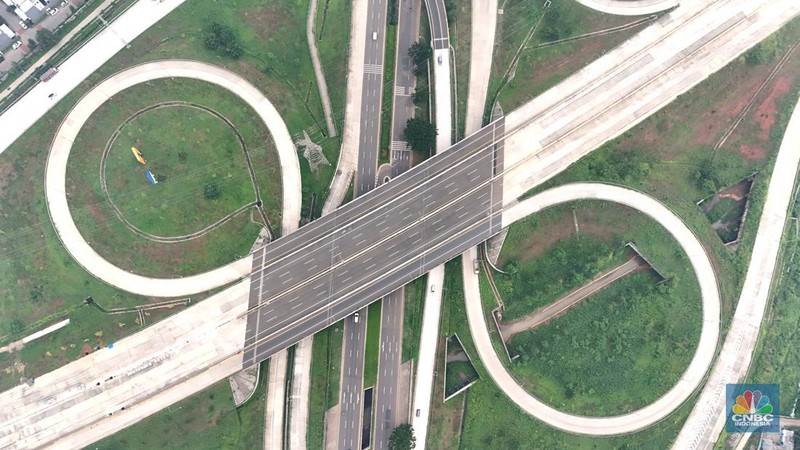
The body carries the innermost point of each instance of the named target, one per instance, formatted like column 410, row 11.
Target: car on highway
column 433, row 288
column 374, row 35
column 356, row 317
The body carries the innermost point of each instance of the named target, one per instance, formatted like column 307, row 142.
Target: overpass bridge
column 304, row 281
column 366, row 249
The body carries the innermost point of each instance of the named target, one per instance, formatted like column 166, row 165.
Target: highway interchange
column 452, row 202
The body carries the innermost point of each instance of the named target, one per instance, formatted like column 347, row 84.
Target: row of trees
column 420, row 133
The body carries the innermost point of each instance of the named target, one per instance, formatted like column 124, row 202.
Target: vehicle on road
column 356, row 316
column 439, row 59
column 374, row 35
column 433, row 288
column 17, row 45
column 53, row 11
column 64, row 3
column 50, row 73
column 475, row 266
column 22, row 24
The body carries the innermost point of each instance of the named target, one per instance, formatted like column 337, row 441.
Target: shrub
column 223, row 40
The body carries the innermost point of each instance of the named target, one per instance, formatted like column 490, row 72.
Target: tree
column 402, row 438
column 223, row 40
column 211, row 191
column 420, row 134
column 46, row 38
column 420, row 52
column 420, row 96
column 32, row 44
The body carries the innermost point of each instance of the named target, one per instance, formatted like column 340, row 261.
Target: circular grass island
column 629, row 339
column 215, row 168
column 198, row 162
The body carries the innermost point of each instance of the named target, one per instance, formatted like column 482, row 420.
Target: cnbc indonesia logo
column 752, row 408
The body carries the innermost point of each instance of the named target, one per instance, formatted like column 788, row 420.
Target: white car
column 16, row 45
column 53, row 11
column 64, row 3
column 356, row 316
column 22, row 24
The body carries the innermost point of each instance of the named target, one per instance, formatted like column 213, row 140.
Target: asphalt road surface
column 387, row 416
column 404, row 84
column 352, row 379
column 437, row 16
column 371, row 98
column 316, row 276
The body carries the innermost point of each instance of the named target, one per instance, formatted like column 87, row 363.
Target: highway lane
column 371, row 98
column 352, row 383
column 387, row 415
column 305, row 293
column 405, row 83
column 437, row 16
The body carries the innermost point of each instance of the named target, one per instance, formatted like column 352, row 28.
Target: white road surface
column 706, row 347
column 30, row 108
column 629, row 7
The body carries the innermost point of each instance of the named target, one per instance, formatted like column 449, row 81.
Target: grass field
column 491, row 420
column 412, row 317
column 40, row 278
column 636, row 329
column 324, row 392
column 177, row 204
column 539, row 68
column 373, row 342
column 187, row 150
column 207, row 420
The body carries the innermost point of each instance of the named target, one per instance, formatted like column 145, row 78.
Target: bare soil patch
column 766, row 110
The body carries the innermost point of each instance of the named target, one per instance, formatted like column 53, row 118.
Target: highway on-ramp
column 56, row 173
column 706, row 347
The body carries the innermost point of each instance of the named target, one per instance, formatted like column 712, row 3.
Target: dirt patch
column 589, row 221
column 752, row 152
column 542, row 239
column 711, row 122
column 766, row 111
column 265, row 21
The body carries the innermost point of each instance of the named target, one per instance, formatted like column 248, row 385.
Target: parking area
column 41, row 14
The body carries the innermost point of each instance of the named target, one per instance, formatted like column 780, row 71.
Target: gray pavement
column 351, row 385
column 370, row 136
column 388, row 391
column 404, row 84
